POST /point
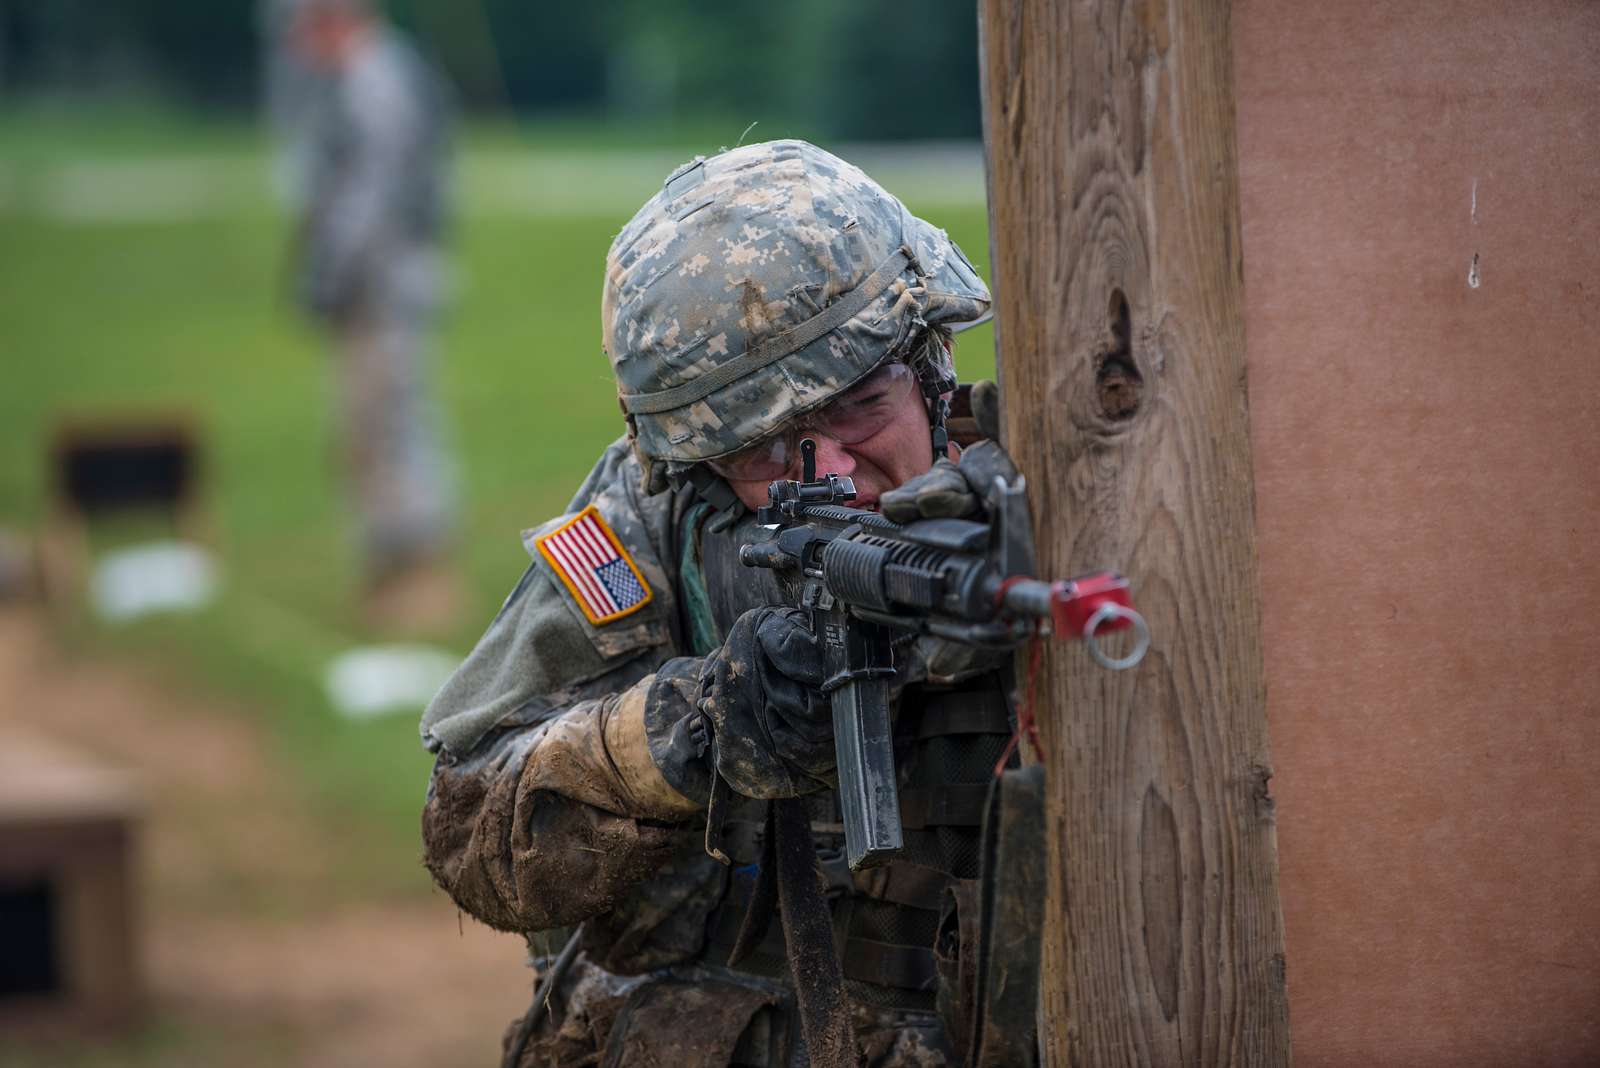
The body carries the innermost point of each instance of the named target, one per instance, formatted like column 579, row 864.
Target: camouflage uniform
column 560, row 794
column 376, row 155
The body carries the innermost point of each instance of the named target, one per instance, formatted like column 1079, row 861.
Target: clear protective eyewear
column 849, row 419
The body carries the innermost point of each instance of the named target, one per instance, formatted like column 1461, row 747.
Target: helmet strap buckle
column 937, row 430
column 935, row 386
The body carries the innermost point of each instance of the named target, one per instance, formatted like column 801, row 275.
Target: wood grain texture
column 1113, row 194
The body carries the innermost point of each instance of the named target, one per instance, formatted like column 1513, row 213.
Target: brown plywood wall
column 1420, row 187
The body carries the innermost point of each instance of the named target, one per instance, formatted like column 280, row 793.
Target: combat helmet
column 756, row 285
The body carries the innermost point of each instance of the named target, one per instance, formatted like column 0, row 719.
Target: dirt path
column 246, row 963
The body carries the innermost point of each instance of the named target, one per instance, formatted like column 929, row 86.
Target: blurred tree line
column 841, row 68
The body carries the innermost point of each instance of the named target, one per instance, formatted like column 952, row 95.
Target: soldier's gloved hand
column 772, row 726
column 952, row 490
column 958, row 490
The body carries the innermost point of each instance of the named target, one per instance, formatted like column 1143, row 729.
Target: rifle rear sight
column 785, row 497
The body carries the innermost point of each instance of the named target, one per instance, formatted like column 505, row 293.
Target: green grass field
column 141, row 269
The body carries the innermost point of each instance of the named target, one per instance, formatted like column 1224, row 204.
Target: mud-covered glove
column 952, row 490
column 771, row 726
column 957, row 490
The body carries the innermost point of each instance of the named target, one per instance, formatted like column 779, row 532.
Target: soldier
column 374, row 160
column 766, row 294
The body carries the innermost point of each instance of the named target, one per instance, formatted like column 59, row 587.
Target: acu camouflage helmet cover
column 759, row 283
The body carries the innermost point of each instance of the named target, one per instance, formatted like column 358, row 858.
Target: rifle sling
column 808, row 936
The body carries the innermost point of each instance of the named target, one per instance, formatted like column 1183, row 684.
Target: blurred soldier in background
column 367, row 148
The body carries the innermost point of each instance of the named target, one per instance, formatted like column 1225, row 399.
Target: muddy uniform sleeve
column 546, row 805
column 549, row 822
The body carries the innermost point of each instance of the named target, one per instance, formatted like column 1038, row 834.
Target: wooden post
column 1113, row 199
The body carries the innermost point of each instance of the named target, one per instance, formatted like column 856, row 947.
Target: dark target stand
column 115, row 466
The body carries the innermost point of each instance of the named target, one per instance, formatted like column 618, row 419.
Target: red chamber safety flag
column 597, row 570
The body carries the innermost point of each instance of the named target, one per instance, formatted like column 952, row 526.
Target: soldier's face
column 324, row 38
column 877, row 434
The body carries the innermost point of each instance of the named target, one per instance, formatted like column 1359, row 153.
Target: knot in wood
column 1119, row 385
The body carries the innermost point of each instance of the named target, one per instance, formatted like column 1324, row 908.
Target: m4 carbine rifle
column 861, row 577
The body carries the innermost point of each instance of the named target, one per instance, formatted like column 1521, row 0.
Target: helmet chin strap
column 938, row 414
column 934, row 388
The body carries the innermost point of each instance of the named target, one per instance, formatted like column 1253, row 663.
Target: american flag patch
column 595, row 567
